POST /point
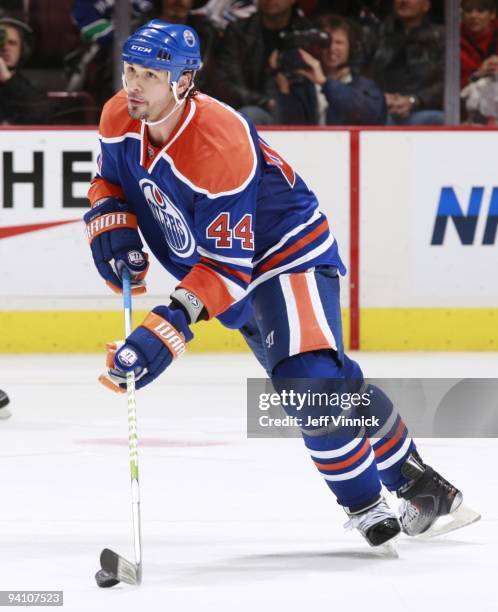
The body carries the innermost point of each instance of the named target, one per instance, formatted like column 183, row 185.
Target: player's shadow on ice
column 259, row 567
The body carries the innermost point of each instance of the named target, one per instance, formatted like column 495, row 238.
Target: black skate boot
column 427, row 497
column 377, row 524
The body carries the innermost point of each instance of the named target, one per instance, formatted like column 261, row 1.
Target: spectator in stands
column 245, row 75
column 220, row 13
column 478, row 40
column 20, row 101
column 93, row 18
column 328, row 92
column 180, row 11
column 479, row 61
column 408, row 64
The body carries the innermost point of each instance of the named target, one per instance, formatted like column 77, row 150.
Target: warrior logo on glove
column 148, row 350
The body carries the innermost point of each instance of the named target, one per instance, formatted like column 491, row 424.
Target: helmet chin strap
column 177, row 105
column 178, row 102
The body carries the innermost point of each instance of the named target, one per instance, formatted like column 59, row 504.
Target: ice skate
column 378, row 524
column 431, row 505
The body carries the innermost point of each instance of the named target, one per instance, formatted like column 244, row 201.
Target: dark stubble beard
column 137, row 114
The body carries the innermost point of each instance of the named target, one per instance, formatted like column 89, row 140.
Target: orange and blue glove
column 112, row 232
column 148, row 350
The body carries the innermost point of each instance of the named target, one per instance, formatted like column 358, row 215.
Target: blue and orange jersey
column 219, row 208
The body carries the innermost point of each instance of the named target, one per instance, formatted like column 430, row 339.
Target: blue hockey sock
column 390, row 441
column 347, row 463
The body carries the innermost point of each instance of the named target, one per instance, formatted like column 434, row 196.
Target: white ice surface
column 229, row 524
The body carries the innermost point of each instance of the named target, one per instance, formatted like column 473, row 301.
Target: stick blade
column 124, row 570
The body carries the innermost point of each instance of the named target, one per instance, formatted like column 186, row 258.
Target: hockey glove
column 148, row 350
column 115, row 243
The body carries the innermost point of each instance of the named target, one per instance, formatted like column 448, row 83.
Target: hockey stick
column 114, row 567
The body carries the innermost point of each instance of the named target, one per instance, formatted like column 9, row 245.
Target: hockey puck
column 105, row 579
column 4, row 399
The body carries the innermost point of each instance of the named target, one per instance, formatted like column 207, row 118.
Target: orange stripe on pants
column 312, row 336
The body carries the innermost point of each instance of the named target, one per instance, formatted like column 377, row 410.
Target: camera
column 289, row 59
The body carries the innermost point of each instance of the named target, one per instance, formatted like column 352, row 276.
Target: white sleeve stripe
column 296, row 262
column 316, row 215
column 292, row 315
column 236, row 261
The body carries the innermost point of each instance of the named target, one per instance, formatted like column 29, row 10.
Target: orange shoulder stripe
column 215, row 152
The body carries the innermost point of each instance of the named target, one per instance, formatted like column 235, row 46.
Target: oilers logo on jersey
column 172, row 222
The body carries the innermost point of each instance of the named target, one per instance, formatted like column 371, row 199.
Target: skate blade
column 388, row 550
column 5, row 413
column 461, row 517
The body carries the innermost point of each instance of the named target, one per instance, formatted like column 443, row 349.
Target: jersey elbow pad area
column 209, row 287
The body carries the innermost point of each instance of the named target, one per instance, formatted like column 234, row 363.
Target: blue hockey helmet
column 164, row 46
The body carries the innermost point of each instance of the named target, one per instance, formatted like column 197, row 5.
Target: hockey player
column 227, row 216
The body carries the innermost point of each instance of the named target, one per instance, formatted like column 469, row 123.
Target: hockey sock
column 391, row 442
column 345, row 460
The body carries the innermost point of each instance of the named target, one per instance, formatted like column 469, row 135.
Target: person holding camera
column 245, row 77
column 20, row 101
column 324, row 91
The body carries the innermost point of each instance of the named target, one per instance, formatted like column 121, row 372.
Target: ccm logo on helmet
column 142, row 49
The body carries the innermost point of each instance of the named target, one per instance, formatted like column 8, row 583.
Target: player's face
column 149, row 92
